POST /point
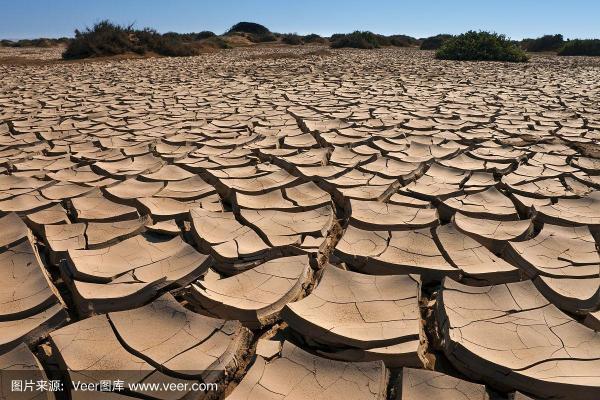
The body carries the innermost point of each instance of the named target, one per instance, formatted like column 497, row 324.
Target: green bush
column 544, row 43
column 249, row 27
column 434, row 42
column 402, row 41
column 7, row 43
column 40, row 42
column 381, row 40
column 357, row 40
column 204, row 35
column 370, row 40
column 581, row 47
column 189, row 37
column 313, row 38
column 262, row 38
column 336, row 36
column 292, row 39
column 108, row 39
column 217, row 41
column 186, row 37
column 103, row 39
column 151, row 40
column 480, row 46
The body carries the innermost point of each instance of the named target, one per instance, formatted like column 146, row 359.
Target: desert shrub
column 544, row 43
column 7, row 43
column 181, row 36
column 24, row 43
column 370, row 40
column 434, row 42
column 150, row 40
column 104, row 38
column 262, row 38
column 217, row 42
column 39, row 42
column 108, row 39
column 381, row 40
column 525, row 43
column 249, row 27
column 292, row 39
column 189, row 37
column 204, row 35
column 581, row 47
column 480, row 46
column 313, row 38
column 402, row 40
column 357, row 40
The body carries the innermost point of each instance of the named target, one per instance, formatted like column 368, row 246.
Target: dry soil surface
column 299, row 223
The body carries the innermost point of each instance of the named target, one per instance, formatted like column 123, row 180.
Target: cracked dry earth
column 300, row 225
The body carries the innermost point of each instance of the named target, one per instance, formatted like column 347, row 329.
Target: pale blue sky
column 419, row 18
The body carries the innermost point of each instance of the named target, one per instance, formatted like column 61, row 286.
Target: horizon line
column 302, row 33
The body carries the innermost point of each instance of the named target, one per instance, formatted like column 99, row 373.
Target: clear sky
column 419, row 18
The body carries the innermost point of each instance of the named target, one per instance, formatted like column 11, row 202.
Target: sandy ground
column 290, row 223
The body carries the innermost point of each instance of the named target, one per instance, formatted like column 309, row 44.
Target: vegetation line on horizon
column 109, row 39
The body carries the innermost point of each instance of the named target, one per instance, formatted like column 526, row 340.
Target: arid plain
column 294, row 223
